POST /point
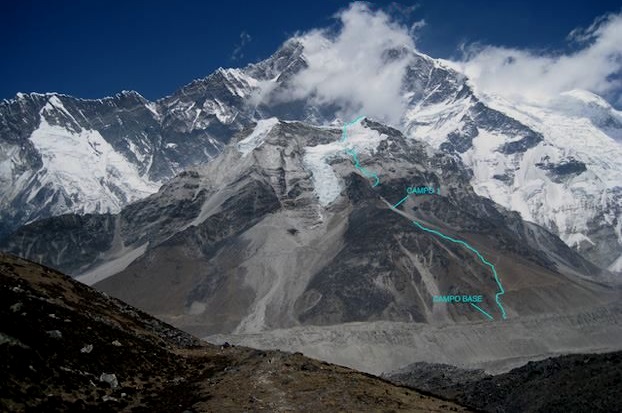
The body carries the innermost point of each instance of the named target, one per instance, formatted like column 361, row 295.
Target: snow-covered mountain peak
column 556, row 163
column 584, row 104
column 131, row 93
column 586, row 97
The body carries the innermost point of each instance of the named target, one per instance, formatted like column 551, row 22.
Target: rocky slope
column 66, row 347
column 60, row 154
column 286, row 229
column 576, row 383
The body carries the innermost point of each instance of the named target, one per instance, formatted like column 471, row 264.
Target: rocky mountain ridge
column 517, row 156
column 284, row 230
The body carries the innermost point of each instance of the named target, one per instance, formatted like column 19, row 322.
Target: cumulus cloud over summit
column 360, row 66
column 354, row 67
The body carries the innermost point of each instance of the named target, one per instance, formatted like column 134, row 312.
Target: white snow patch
column 87, row 168
column 55, row 103
column 617, row 265
column 239, row 83
column 317, row 158
column 325, row 181
column 196, row 308
column 363, row 140
column 136, row 151
column 257, row 137
column 574, row 240
column 432, row 123
column 222, row 112
column 153, row 108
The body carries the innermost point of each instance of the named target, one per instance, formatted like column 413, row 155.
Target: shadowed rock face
column 575, row 383
column 563, row 170
column 70, row 242
column 66, row 347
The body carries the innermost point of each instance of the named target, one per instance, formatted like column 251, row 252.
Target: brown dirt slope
column 67, row 347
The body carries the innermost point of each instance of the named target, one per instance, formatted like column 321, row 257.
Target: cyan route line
column 368, row 174
column 344, row 133
column 470, row 248
column 364, row 171
column 352, row 153
column 400, row 201
column 482, row 311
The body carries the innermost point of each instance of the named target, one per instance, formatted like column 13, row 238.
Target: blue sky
column 92, row 49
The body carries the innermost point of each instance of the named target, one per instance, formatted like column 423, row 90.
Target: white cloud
column 238, row 52
column 596, row 65
column 352, row 68
column 416, row 27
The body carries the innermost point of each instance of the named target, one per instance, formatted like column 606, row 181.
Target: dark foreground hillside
column 66, row 347
column 573, row 383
